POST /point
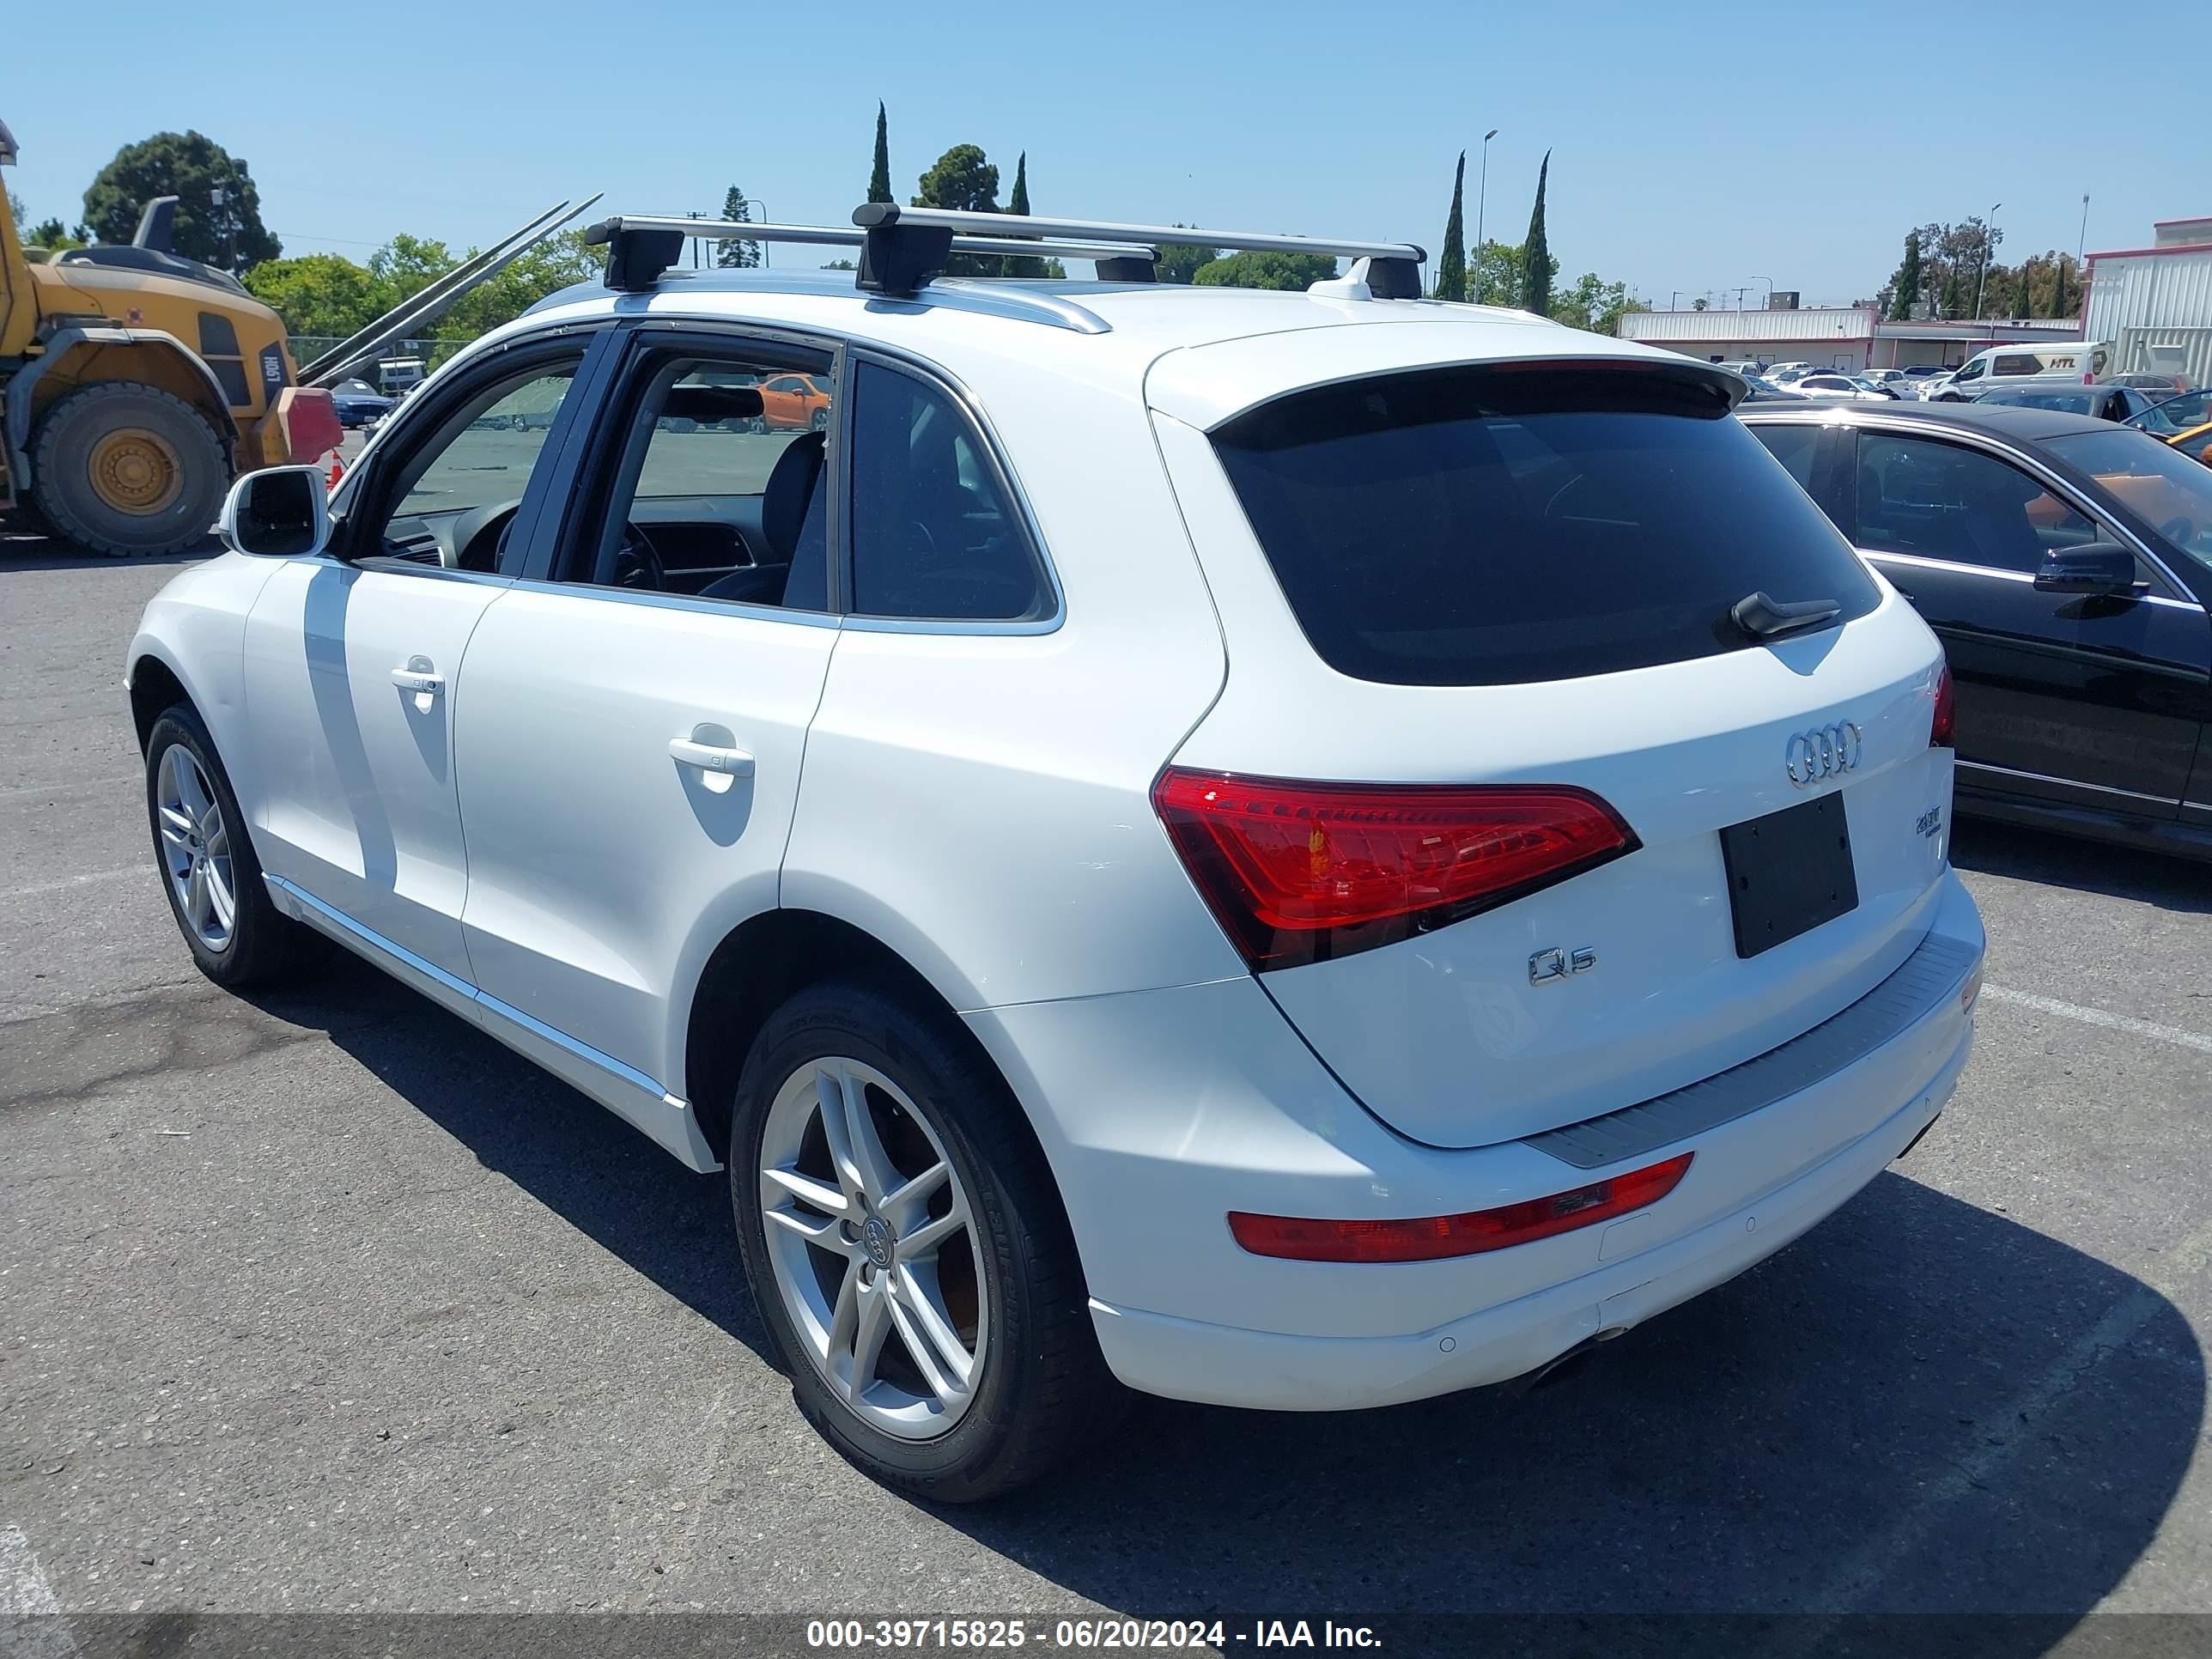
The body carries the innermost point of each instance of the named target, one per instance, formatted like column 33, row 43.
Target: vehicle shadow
column 2089, row 866
column 21, row 552
column 1922, row 1408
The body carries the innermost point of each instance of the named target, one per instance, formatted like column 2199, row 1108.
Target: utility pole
column 2081, row 252
column 1988, row 225
column 1481, row 196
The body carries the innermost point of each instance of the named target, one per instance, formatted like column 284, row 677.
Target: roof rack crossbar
column 633, row 254
column 872, row 214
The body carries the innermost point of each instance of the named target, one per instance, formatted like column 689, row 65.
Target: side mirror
column 2105, row 568
column 277, row 513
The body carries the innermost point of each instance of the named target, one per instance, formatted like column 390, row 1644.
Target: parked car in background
column 2158, row 385
column 2189, row 418
column 2083, row 360
column 795, row 402
column 2107, row 401
column 1840, row 386
column 1896, row 381
column 1765, row 390
column 1783, row 374
column 1261, row 846
column 358, row 403
column 2065, row 562
column 1745, row 366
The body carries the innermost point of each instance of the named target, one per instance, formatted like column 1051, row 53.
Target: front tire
column 237, row 936
column 128, row 470
column 907, row 1250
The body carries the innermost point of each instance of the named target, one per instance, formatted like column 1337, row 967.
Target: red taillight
column 1940, row 728
column 1298, row 871
column 1432, row 1238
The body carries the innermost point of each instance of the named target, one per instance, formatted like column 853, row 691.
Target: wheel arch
column 154, row 687
column 759, row 964
column 90, row 355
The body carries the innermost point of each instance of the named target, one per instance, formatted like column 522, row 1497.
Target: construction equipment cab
column 134, row 384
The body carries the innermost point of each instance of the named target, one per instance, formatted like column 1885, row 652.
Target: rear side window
column 1490, row 527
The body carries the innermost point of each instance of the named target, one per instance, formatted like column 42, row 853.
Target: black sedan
column 2066, row 563
column 358, row 402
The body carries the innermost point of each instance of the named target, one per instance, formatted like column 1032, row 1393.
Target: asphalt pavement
column 324, row 1302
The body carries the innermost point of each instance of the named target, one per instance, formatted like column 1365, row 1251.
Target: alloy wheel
column 195, row 847
column 871, row 1236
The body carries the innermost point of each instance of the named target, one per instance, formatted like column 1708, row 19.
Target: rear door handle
column 708, row 757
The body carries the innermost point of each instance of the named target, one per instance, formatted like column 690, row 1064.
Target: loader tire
column 128, row 471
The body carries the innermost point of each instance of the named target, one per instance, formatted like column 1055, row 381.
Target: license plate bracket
column 1790, row 872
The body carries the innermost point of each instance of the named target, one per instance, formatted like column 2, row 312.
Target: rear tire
column 236, row 934
column 128, row 471
column 1000, row 1280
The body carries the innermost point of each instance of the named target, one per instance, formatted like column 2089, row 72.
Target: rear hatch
column 1521, row 804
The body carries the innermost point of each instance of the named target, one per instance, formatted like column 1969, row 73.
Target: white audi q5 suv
column 1300, row 850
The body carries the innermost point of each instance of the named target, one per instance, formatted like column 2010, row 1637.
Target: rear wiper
column 1763, row 618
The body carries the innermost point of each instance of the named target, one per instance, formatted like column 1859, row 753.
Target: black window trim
column 995, row 457
column 368, row 483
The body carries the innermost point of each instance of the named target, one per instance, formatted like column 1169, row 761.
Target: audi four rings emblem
column 1826, row 752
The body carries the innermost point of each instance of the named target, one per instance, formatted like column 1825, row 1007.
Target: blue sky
column 1695, row 148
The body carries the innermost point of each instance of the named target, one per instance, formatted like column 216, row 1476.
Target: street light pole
column 2080, row 252
column 1769, row 281
column 1481, row 200
column 1988, row 225
column 766, row 218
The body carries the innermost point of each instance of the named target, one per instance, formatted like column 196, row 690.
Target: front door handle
column 417, row 680
column 712, row 757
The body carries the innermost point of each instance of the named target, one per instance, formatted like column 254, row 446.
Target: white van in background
column 2083, row 360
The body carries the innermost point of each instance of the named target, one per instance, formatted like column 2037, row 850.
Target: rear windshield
column 1490, row 527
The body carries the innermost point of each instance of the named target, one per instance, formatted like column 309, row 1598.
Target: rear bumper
column 1228, row 1366
column 1160, row 1111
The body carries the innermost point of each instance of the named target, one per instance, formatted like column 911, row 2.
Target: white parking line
column 25, row 1594
column 2142, row 1028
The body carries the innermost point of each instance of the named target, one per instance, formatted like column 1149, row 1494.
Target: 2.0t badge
column 1827, row 751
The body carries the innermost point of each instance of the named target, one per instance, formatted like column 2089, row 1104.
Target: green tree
column 879, row 175
column 1905, row 286
column 1595, row 305
column 323, row 294
column 839, row 265
column 1537, row 264
column 16, row 211
column 50, row 233
column 562, row 260
column 1502, row 266
column 1954, row 305
column 192, row 167
column 1179, row 262
column 734, row 254
column 1022, row 264
column 966, row 183
column 1451, row 264
column 1296, row 271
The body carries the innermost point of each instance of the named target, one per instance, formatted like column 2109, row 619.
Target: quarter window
column 1794, row 447
column 1938, row 501
column 934, row 534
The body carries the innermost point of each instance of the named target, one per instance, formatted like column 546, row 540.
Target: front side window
column 934, row 534
column 457, row 489
column 1939, row 500
column 1487, row 527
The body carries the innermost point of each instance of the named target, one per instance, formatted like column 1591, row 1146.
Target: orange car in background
column 794, row 403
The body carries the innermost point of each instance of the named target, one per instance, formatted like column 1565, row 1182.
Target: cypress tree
column 879, row 176
column 1536, row 254
column 1451, row 264
column 1908, row 283
column 1022, row 264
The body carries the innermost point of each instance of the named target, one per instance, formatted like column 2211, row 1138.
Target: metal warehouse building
column 2154, row 305
column 1840, row 337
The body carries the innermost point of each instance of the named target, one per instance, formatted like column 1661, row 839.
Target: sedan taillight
column 1297, row 873
column 1940, row 727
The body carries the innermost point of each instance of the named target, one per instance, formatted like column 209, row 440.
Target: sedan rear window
column 1495, row 526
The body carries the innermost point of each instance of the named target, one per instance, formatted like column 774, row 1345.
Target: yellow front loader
column 135, row 384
